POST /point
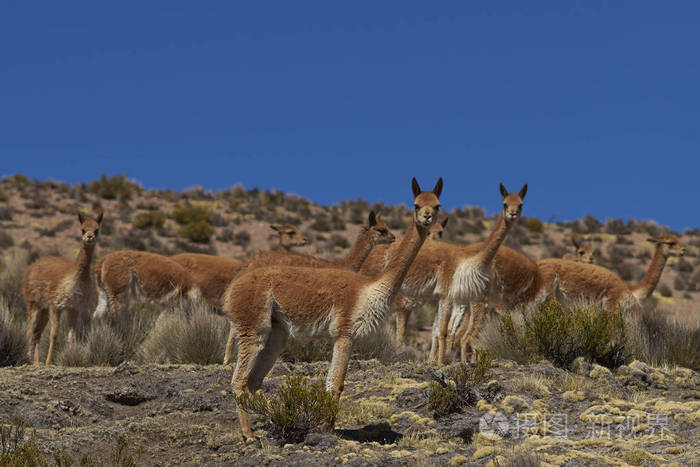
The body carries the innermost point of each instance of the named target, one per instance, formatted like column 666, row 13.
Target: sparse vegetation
column 452, row 394
column 298, row 408
column 13, row 341
column 149, row 220
column 116, row 187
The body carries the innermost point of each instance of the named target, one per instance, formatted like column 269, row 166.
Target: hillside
column 39, row 217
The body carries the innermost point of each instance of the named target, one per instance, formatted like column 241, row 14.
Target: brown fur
column 438, row 271
column 138, row 276
column 570, row 281
column 266, row 304
column 289, row 237
column 53, row 285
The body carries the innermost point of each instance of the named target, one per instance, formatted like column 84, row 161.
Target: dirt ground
column 185, row 414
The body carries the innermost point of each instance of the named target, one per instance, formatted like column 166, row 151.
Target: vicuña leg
column 339, row 366
column 463, row 334
column 35, row 326
column 438, row 346
column 230, row 343
column 268, row 355
column 55, row 315
column 73, row 317
column 249, row 347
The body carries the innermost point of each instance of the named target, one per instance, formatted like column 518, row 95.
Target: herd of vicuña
column 275, row 294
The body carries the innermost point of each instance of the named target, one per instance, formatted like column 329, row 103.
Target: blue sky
column 594, row 104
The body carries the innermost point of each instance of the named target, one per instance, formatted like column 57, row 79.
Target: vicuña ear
column 504, row 192
column 274, row 227
column 81, row 218
column 438, row 187
column 416, row 187
column 100, row 216
column 576, row 242
column 444, row 222
column 372, row 219
column 523, row 192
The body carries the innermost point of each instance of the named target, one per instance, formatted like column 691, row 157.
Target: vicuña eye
column 83, row 231
column 580, row 253
column 97, row 231
column 416, row 207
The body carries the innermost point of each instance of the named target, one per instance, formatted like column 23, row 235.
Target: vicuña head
column 584, row 251
column 53, row 285
column 438, row 229
column 669, row 245
column 289, row 236
column 378, row 230
column 512, row 203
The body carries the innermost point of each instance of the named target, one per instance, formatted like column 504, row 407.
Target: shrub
column 199, row 231
column 295, row 411
column 116, row 187
column 188, row 213
column 592, row 224
column 321, row 224
column 74, row 354
column 149, row 220
column 13, row 341
column 5, row 213
column 16, row 448
column 12, row 268
column 3, row 197
column 665, row 290
column 104, row 346
column 338, row 240
column 446, row 397
column 197, row 338
column 6, row 240
column 535, row 225
column 657, row 340
column 562, row 334
column 241, row 238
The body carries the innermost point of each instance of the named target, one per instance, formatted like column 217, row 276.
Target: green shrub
column 562, row 334
column 116, row 187
column 297, row 409
column 16, row 449
column 665, row 290
column 188, row 213
column 447, row 396
column 535, row 225
column 149, row 220
column 199, row 231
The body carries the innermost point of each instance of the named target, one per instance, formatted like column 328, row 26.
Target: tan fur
column 267, row 304
column 517, row 281
column 289, row 237
column 128, row 276
column 584, row 252
column 53, row 285
column 455, row 275
column 570, row 281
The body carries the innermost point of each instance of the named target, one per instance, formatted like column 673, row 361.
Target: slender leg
column 73, row 318
column 402, row 316
column 230, row 343
column 35, row 326
column 248, row 349
column 444, row 310
column 268, row 355
column 55, row 315
column 339, row 366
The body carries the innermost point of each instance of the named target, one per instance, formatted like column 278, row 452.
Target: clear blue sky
column 594, row 104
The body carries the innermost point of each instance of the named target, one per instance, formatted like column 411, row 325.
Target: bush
column 73, row 354
column 104, row 346
column 295, row 411
column 535, row 225
column 241, row 238
column 197, row 338
column 3, row 197
column 338, row 240
column 13, row 340
column 199, row 231
column 446, row 397
column 665, row 290
column 5, row 213
column 116, row 187
column 149, row 220
column 656, row 340
column 189, row 214
column 562, row 334
column 321, row 224
column 12, row 268
column 6, row 240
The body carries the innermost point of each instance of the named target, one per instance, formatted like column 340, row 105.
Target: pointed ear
column 416, row 187
column 274, row 227
column 372, row 219
column 652, row 240
column 100, row 216
column 438, row 187
column 576, row 242
column 444, row 222
column 504, row 192
column 81, row 218
column 523, row 192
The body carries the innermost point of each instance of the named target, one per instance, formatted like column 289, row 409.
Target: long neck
column 402, row 257
column 496, row 237
column 648, row 283
column 359, row 251
column 84, row 260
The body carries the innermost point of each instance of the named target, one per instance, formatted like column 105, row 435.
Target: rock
column 411, row 398
column 321, row 440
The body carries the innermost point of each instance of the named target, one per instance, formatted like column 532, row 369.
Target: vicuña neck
column 360, row 250
column 402, row 257
column 496, row 237
column 84, row 260
column 651, row 279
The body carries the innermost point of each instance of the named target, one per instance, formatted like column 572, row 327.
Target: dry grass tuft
column 13, row 341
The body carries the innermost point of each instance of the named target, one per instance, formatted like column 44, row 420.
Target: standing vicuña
column 54, row 284
column 569, row 281
column 130, row 276
column 266, row 304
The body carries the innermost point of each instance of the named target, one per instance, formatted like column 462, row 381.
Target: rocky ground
column 185, row 414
